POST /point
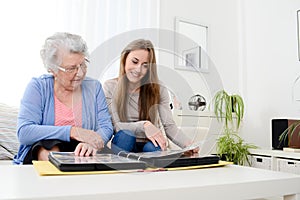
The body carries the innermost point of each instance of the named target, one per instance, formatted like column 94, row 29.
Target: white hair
column 58, row 43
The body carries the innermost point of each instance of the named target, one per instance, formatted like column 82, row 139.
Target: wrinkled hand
column 87, row 136
column 155, row 135
column 84, row 149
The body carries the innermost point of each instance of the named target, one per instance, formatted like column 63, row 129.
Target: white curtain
column 26, row 24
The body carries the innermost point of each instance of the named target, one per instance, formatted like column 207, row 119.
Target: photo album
column 67, row 161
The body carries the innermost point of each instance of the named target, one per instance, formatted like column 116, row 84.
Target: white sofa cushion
column 196, row 134
column 9, row 143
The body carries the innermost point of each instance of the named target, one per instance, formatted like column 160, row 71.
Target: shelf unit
column 276, row 160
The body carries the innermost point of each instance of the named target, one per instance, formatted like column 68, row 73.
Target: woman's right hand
column 84, row 149
column 155, row 135
column 87, row 136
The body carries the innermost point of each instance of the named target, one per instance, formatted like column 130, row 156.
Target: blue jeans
column 125, row 140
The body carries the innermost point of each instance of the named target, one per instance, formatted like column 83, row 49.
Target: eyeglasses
column 73, row 69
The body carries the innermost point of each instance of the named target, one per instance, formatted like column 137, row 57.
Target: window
column 26, row 24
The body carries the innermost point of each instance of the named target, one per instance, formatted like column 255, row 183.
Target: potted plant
column 230, row 146
column 226, row 106
column 291, row 134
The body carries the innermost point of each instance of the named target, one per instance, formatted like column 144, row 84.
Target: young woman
column 139, row 103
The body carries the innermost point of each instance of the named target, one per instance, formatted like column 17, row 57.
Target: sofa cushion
column 9, row 143
column 196, row 134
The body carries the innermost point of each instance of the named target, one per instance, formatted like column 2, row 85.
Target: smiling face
column 136, row 66
column 71, row 72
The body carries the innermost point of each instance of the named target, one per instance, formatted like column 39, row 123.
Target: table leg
column 292, row 197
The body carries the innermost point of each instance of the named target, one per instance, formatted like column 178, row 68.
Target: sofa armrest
column 9, row 143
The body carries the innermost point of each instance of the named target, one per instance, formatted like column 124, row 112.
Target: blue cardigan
column 36, row 116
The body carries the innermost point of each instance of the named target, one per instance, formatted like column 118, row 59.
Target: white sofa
column 195, row 124
column 9, row 143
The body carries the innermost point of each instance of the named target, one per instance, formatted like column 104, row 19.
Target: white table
column 228, row 182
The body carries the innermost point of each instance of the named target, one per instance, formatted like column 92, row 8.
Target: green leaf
column 233, row 147
column 225, row 105
column 289, row 130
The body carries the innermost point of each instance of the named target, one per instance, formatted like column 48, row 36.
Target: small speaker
column 278, row 126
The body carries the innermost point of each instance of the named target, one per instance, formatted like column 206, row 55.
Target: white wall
column 253, row 44
column 223, row 44
column 271, row 65
column 223, row 33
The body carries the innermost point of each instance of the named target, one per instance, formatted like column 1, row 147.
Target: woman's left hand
column 87, row 136
column 192, row 151
column 85, row 149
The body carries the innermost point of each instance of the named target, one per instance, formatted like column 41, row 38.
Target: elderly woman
column 63, row 110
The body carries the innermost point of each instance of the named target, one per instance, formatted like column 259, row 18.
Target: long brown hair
column 149, row 89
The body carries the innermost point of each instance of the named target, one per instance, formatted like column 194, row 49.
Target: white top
column 228, row 182
column 165, row 122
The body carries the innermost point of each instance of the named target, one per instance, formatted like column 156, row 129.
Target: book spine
column 130, row 155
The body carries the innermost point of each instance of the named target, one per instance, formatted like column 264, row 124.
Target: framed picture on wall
column 191, row 43
column 298, row 32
